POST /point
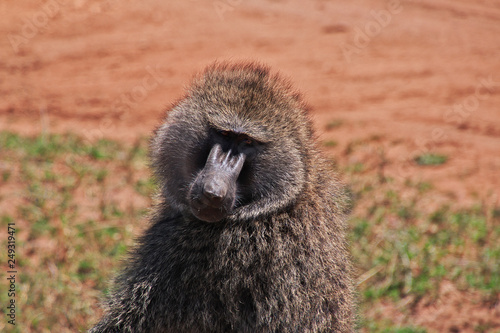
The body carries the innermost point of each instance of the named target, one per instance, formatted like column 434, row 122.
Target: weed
column 330, row 143
column 430, row 159
column 334, row 124
column 6, row 175
column 145, row 187
column 355, row 168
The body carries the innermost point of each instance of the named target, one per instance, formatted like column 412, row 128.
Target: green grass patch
column 430, row 159
column 77, row 210
column 404, row 251
column 70, row 222
column 336, row 123
column 330, row 143
column 145, row 187
column 418, row 251
column 386, row 326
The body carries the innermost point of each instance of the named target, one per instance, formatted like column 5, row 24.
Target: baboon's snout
column 213, row 192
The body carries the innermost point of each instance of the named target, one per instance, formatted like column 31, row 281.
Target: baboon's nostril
column 214, row 192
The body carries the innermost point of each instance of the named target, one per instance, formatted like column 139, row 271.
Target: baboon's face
column 227, row 170
column 213, row 193
column 234, row 149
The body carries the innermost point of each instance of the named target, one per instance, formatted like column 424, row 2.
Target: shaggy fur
column 278, row 262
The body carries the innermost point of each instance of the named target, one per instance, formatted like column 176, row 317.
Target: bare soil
column 413, row 76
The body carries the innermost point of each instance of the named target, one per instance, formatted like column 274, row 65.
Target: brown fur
column 278, row 262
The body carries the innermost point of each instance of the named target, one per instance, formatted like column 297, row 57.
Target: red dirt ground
column 417, row 75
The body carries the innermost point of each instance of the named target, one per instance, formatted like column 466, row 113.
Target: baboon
column 248, row 234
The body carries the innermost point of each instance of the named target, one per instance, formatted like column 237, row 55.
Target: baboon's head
column 235, row 147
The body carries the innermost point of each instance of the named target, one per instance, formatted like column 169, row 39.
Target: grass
column 330, row 143
column 430, row 159
column 406, row 247
column 333, row 124
column 78, row 206
column 70, row 223
column 420, row 250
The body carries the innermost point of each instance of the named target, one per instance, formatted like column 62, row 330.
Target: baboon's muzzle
column 213, row 193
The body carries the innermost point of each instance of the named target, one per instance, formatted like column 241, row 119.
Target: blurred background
column 405, row 99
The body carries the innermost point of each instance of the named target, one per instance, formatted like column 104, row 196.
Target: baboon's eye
column 248, row 141
column 224, row 133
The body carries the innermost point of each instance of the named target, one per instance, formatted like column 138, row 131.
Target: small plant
column 356, row 168
column 334, row 124
column 408, row 329
column 431, row 159
column 330, row 143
